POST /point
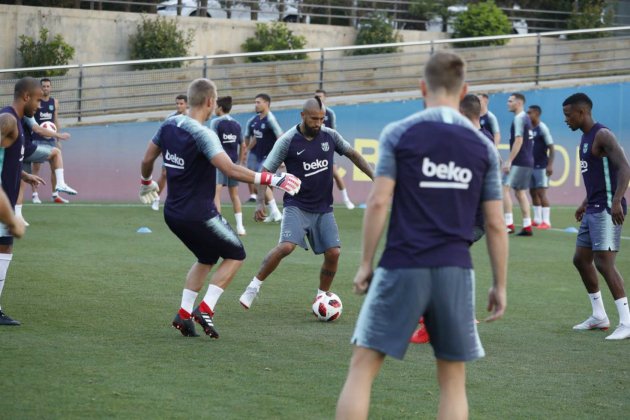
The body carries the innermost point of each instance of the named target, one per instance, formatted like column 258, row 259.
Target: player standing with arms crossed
column 438, row 167
column 606, row 174
column 192, row 153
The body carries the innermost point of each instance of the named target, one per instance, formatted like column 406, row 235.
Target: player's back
column 442, row 166
column 187, row 147
column 12, row 158
column 229, row 132
column 522, row 126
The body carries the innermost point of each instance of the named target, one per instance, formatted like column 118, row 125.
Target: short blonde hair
column 199, row 90
column 445, row 71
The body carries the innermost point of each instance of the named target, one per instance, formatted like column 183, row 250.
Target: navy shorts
column 397, row 298
column 209, row 240
column 598, row 232
column 319, row 228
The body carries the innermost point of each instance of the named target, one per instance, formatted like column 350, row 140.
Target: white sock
column 212, row 296
column 546, row 215
column 59, row 175
column 255, row 283
column 527, row 222
column 273, row 207
column 320, row 292
column 18, row 210
column 55, row 194
column 624, row 312
column 188, row 300
column 537, row 214
column 509, row 219
column 239, row 219
column 35, row 194
column 253, row 196
column 344, row 194
column 598, row 305
column 5, row 260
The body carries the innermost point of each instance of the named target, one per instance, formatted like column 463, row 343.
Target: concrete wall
column 100, row 36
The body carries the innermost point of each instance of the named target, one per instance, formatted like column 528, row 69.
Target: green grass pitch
column 96, row 300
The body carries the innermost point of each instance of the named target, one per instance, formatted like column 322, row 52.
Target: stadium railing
column 116, row 88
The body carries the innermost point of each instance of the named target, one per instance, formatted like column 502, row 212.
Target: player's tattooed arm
column 360, row 162
column 606, row 145
column 8, row 130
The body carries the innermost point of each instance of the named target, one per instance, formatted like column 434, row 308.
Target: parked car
column 268, row 11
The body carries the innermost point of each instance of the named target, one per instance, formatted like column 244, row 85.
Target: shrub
column 159, row 38
column 274, row 37
column 482, row 19
column 44, row 52
column 377, row 30
column 592, row 14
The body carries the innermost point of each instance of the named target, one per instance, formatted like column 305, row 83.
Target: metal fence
column 115, row 88
column 344, row 12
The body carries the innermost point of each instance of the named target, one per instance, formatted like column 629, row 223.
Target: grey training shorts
column 319, row 228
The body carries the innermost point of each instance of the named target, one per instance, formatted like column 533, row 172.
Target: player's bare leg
column 583, row 260
column 523, row 201
column 274, row 213
column 329, row 268
column 354, row 400
column 35, row 170
column 56, row 165
column 238, row 210
column 507, row 208
column 269, row 264
column 6, row 254
column 19, row 202
column 452, row 381
column 342, row 188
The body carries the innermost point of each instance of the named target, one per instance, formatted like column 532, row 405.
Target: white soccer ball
column 327, row 307
column 49, row 125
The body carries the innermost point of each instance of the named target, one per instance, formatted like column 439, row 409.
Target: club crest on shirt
column 585, row 148
column 51, row 107
column 262, row 126
column 325, row 146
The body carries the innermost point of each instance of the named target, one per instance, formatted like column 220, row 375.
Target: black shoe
column 205, row 320
column 185, row 326
column 251, row 200
column 7, row 320
column 525, row 232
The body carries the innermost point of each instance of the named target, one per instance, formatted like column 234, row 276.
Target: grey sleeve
column 341, row 145
column 491, row 188
column 279, row 152
column 30, row 122
column 494, row 123
column 386, row 165
column 213, row 124
column 156, row 137
column 277, row 130
column 519, row 126
column 333, row 119
column 248, row 130
column 546, row 134
column 207, row 142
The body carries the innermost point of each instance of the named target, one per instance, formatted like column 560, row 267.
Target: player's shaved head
column 445, row 73
column 200, row 90
column 579, row 100
column 313, row 105
column 470, row 107
column 25, row 85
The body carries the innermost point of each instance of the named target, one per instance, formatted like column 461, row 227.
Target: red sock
column 203, row 307
column 183, row 313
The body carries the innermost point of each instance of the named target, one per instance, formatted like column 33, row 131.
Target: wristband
column 146, row 181
column 263, row 178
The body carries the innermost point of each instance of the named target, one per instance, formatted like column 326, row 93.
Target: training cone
column 571, row 230
column 143, row 229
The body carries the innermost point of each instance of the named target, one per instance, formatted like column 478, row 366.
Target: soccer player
column 26, row 95
column 40, row 153
column 261, row 132
column 606, row 173
column 47, row 111
column 229, row 132
column 487, row 120
column 437, row 166
column 330, row 121
column 192, row 153
column 519, row 165
column 181, row 108
column 307, row 151
column 543, row 168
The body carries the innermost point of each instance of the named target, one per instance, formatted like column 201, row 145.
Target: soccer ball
column 327, row 307
column 50, row 126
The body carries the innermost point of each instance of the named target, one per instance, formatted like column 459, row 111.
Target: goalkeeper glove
column 285, row 181
column 148, row 190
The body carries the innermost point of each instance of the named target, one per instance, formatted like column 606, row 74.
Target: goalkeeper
column 192, row 154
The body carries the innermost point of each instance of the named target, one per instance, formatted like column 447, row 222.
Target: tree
column 482, row 19
column 377, row 30
column 274, row 37
column 589, row 14
column 429, row 9
column 45, row 52
column 159, row 38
